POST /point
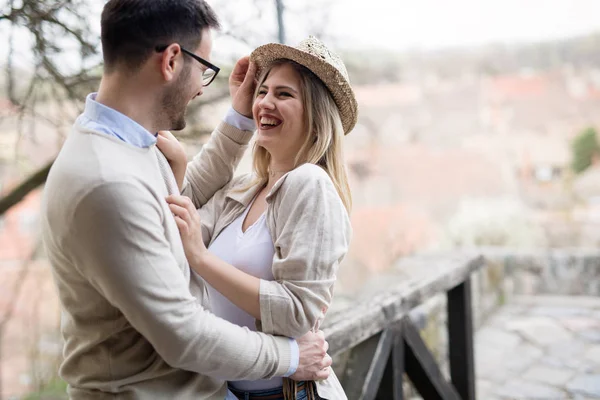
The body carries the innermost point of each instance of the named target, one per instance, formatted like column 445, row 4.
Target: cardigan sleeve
column 312, row 236
column 215, row 164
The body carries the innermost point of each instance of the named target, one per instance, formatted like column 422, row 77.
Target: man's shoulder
column 88, row 156
column 84, row 168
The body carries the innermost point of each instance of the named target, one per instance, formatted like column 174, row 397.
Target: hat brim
column 338, row 85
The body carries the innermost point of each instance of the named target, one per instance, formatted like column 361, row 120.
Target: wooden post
column 421, row 366
column 460, row 340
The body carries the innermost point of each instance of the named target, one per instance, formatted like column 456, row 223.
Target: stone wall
column 509, row 273
column 557, row 272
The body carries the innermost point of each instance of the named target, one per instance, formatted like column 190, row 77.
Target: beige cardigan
column 311, row 231
column 134, row 319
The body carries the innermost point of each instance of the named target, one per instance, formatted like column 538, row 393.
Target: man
column 134, row 321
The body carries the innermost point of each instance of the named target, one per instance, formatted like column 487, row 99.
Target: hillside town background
column 454, row 148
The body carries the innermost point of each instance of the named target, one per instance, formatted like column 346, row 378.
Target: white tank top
column 252, row 252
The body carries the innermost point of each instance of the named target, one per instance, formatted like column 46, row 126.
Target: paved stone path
column 540, row 348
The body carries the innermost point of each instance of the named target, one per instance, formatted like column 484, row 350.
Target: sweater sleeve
column 124, row 253
column 312, row 237
column 215, row 164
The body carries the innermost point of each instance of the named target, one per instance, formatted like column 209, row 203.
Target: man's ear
column 171, row 62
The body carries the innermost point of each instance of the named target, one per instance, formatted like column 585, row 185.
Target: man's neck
column 128, row 98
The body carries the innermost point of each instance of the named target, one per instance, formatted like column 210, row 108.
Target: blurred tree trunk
column 280, row 23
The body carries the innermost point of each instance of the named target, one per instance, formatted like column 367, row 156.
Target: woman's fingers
column 183, row 209
column 181, row 201
column 180, row 212
column 182, row 226
column 161, row 141
column 239, row 70
column 167, row 135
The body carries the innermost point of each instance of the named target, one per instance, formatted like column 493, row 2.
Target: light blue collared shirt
column 100, row 118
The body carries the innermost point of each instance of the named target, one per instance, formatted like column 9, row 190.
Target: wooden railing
column 382, row 343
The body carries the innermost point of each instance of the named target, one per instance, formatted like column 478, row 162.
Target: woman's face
column 279, row 114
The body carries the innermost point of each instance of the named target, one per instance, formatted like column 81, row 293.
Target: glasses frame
column 201, row 60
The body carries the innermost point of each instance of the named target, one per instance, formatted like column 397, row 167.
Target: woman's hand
column 241, row 86
column 240, row 288
column 175, row 154
column 190, row 228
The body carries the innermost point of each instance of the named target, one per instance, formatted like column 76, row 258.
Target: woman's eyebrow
column 279, row 87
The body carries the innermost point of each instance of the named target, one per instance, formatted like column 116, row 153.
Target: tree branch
column 31, row 183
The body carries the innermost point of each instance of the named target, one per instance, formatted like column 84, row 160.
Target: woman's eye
column 285, row 94
column 262, row 92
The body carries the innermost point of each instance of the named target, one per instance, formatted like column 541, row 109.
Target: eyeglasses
column 209, row 74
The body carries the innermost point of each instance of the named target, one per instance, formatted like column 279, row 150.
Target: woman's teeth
column 269, row 121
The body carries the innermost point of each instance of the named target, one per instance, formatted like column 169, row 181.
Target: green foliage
column 584, row 148
column 54, row 390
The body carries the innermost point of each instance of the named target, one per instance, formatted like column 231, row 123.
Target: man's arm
column 120, row 245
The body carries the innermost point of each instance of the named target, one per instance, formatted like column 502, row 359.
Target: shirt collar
column 244, row 195
column 119, row 124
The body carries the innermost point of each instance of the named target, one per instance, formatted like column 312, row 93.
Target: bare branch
column 31, row 183
column 88, row 47
column 240, row 38
column 10, row 77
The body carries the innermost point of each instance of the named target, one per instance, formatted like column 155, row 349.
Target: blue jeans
column 245, row 395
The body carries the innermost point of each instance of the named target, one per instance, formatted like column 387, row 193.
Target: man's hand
column 314, row 361
column 242, row 85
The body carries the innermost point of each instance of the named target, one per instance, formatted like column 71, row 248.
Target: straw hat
column 328, row 66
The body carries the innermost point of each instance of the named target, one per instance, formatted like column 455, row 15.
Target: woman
column 269, row 243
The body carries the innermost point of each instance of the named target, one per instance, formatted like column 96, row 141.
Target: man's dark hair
column 131, row 29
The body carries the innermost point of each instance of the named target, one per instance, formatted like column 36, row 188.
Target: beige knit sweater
column 133, row 319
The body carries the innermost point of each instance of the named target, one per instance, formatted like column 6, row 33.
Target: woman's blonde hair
column 323, row 143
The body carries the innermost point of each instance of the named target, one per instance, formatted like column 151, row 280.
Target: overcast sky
column 401, row 24
column 398, row 24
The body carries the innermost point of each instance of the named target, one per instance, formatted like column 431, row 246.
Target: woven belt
column 300, row 386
